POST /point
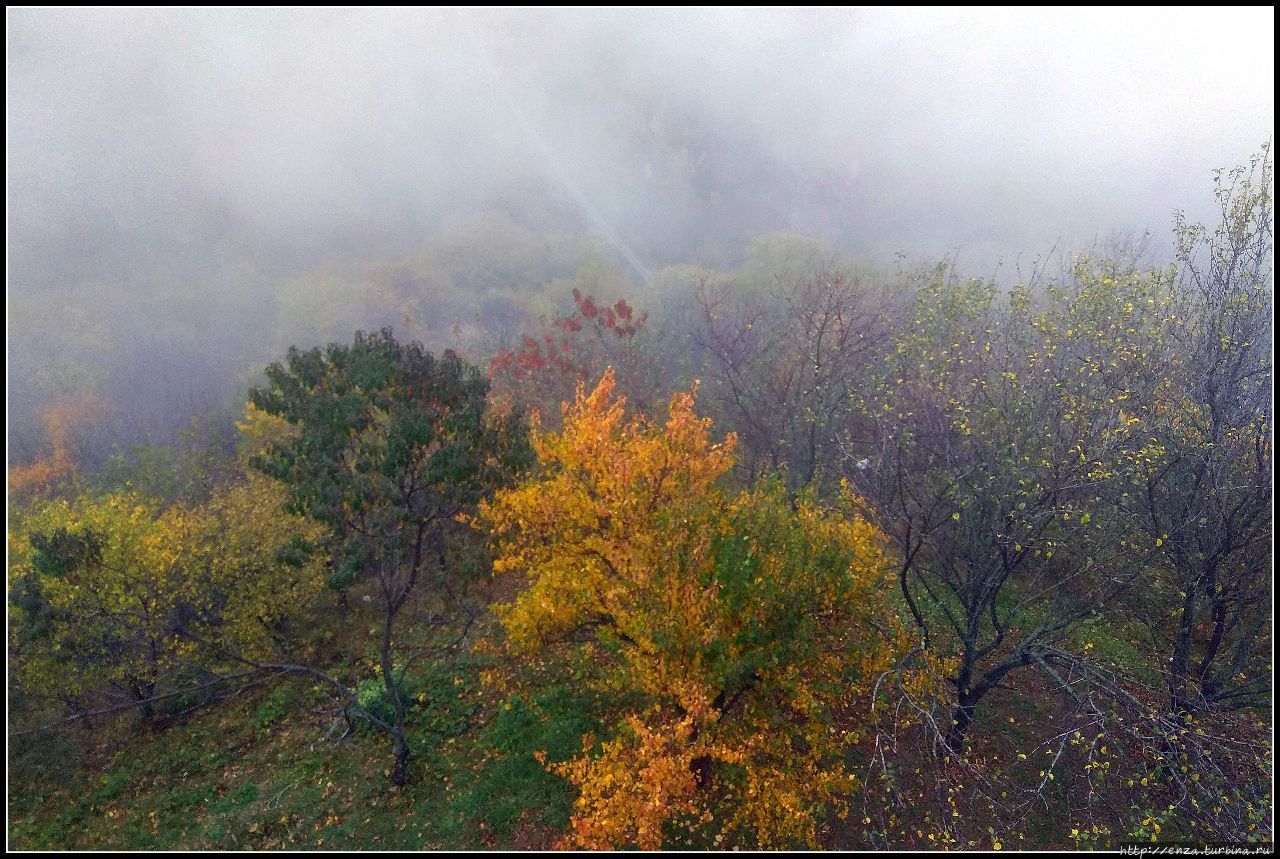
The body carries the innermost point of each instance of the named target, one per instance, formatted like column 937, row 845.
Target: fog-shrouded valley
column 666, row 428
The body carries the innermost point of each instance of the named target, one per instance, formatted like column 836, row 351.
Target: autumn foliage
column 748, row 631
column 556, row 351
column 543, row 370
column 118, row 597
column 61, row 422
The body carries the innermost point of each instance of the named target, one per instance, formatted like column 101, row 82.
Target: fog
column 176, row 178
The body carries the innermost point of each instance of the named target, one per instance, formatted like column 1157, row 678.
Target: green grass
column 258, row 773
column 510, row 786
column 1117, row 642
column 261, row 772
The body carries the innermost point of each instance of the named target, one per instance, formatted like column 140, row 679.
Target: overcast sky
column 167, row 141
column 179, row 181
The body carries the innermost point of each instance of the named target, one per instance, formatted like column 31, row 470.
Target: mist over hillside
column 189, row 190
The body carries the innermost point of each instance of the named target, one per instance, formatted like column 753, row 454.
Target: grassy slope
column 258, row 772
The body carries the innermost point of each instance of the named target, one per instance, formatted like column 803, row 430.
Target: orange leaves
column 62, row 421
column 585, row 529
column 640, row 781
column 744, row 625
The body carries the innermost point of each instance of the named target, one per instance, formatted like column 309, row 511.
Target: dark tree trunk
column 961, row 719
column 1180, row 662
column 701, row 765
column 701, row 769
column 399, row 746
column 969, row 696
column 400, row 749
column 143, row 693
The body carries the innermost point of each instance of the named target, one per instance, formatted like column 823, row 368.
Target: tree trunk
column 1179, row 663
column 399, row 747
column 401, row 751
column 701, row 765
column 143, row 693
column 969, row 696
column 961, row 719
column 701, row 769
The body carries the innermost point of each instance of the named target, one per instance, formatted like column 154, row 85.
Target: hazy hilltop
column 216, row 155
column 158, row 141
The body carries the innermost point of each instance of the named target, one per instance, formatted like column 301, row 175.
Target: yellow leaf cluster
column 754, row 626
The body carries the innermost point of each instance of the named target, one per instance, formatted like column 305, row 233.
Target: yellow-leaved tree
column 118, row 601
column 745, row 633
